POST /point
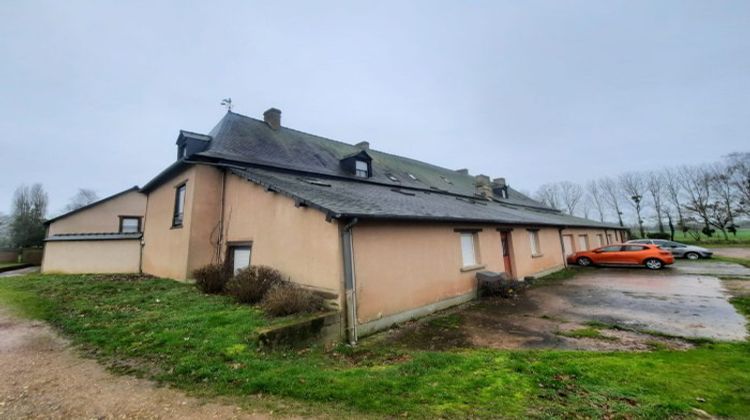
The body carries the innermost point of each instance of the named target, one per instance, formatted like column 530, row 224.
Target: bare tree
column 83, row 198
column 549, row 194
column 673, row 187
column 27, row 220
column 596, row 198
column 655, row 188
column 612, row 196
column 634, row 186
column 571, row 195
column 724, row 190
column 740, row 164
column 696, row 182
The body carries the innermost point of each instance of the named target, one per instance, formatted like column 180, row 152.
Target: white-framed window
column 583, row 242
column 599, row 239
column 609, row 238
column 130, row 224
column 536, row 248
column 362, row 169
column 534, row 242
column 240, row 256
column 468, row 249
column 179, row 205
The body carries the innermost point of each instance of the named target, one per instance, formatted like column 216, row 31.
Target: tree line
column 24, row 226
column 697, row 199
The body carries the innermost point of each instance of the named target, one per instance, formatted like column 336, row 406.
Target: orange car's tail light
column 665, row 253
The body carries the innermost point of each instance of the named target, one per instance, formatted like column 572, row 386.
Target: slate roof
column 286, row 160
column 341, row 198
column 92, row 236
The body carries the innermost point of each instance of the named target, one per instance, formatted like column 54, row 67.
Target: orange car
column 651, row 256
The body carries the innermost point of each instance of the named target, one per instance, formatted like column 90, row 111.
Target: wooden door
column 505, row 244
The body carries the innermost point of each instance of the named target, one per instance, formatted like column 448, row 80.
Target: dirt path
column 42, row 377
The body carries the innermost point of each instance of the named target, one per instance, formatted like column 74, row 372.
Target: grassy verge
column 586, row 332
column 557, row 277
column 741, row 261
column 170, row 333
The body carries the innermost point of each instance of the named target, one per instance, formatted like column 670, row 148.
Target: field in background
column 741, row 238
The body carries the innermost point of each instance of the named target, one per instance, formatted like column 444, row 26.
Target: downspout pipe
column 562, row 246
column 350, row 283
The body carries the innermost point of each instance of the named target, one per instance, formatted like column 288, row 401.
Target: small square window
column 239, row 257
column 362, row 169
column 130, row 224
column 468, row 249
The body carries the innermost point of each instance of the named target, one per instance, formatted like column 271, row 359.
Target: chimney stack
column 483, row 187
column 272, row 117
column 463, row 171
column 500, row 187
column 363, row 145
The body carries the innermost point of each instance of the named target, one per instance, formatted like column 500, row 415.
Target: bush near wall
column 251, row 284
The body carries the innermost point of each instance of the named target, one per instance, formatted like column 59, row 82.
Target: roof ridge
column 355, row 147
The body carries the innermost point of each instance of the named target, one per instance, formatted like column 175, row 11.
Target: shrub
column 503, row 287
column 288, row 299
column 658, row 235
column 211, row 278
column 251, row 284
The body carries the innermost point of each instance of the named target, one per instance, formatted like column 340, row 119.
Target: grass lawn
column 742, row 238
column 205, row 345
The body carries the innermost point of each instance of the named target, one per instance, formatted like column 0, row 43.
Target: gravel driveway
column 42, row 377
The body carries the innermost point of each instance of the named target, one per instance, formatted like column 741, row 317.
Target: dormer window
column 358, row 164
column 362, row 169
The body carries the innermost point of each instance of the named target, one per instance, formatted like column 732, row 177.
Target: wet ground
column 599, row 309
column 736, row 252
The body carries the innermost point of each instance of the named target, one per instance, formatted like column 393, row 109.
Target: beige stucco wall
column 112, row 256
column 295, row 240
column 165, row 249
column 103, row 217
column 591, row 234
column 549, row 257
column 402, row 266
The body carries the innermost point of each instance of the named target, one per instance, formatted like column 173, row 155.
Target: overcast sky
column 93, row 94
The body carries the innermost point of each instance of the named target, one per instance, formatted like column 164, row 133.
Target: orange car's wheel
column 653, row 264
column 584, row 261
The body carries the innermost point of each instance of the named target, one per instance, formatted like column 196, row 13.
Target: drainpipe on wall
column 143, row 236
column 562, row 247
column 350, row 284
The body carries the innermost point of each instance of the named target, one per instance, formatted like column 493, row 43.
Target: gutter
column 350, row 283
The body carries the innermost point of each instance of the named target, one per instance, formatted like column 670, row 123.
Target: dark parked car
column 679, row 250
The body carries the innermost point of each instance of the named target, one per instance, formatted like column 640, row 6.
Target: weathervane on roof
column 227, row 102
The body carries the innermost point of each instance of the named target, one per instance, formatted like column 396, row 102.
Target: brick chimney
column 483, row 186
column 272, row 117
